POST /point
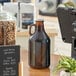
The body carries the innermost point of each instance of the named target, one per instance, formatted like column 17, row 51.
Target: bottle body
column 39, row 50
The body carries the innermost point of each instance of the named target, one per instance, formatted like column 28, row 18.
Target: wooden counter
column 27, row 71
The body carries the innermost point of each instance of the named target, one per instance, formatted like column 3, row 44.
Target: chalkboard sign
column 9, row 60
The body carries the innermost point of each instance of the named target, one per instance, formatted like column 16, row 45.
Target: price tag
column 9, row 60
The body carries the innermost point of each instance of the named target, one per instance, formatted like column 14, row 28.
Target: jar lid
column 5, row 15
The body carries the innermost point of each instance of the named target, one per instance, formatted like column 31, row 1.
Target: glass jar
column 7, row 28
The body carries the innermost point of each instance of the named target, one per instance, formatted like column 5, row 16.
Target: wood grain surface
column 27, row 71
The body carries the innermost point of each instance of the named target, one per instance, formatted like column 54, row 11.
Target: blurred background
column 27, row 11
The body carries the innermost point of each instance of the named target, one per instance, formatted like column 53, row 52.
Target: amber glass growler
column 39, row 47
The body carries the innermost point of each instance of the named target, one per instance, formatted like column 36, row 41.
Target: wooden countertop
column 27, row 71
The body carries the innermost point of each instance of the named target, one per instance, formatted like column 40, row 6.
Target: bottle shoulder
column 40, row 36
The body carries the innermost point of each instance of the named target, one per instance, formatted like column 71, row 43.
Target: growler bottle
column 39, row 47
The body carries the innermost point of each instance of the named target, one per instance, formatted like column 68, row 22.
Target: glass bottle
column 39, row 47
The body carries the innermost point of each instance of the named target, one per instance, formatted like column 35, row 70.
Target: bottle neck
column 40, row 26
